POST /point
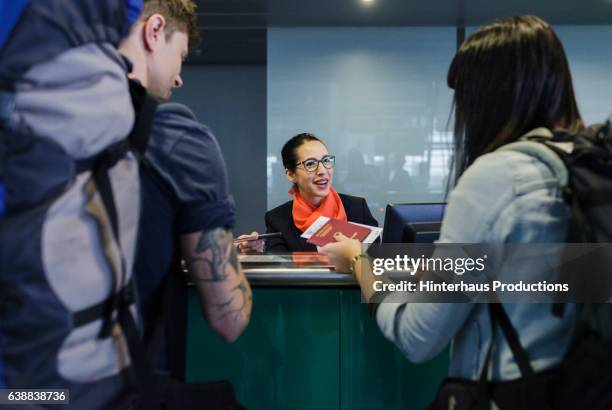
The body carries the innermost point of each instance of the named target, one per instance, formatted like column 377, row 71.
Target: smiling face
column 313, row 186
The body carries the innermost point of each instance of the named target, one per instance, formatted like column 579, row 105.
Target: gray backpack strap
column 535, row 144
column 101, row 206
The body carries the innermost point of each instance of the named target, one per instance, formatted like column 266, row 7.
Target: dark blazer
column 280, row 219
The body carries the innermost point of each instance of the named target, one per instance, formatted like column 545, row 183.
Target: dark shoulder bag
column 583, row 379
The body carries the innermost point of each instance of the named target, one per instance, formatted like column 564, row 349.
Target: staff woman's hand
column 341, row 252
column 254, row 245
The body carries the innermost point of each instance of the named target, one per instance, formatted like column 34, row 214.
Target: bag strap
column 544, row 145
column 144, row 107
column 143, row 347
column 484, row 372
column 101, row 207
column 137, row 141
column 497, row 312
column 542, row 149
column 142, row 374
column 122, row 301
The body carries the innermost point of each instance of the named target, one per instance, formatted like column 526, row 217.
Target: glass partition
column 590, row 59
column 376, row 96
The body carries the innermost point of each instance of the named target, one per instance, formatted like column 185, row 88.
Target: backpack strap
column 143, row 377
column 145, row 107
column 539, row 144
column 541, row 148
column 137, row 141
column 484, row 372
column 101, row 207
column 498, row 315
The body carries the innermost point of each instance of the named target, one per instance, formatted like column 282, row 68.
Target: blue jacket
column 504, row 197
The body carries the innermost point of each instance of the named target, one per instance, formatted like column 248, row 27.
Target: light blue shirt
column 504, row 197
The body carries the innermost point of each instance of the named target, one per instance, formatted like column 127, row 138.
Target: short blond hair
column 180, row 15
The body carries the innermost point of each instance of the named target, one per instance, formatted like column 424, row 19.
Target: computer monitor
column 412, row 223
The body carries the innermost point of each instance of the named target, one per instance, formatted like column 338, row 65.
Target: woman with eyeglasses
column 310, row 167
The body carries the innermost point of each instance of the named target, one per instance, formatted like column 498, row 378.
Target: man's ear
column 153, row 31
column 290, row 175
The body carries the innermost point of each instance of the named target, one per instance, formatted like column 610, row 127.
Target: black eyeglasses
column 311, row 164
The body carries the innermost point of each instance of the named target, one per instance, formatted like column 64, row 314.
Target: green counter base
column 310, row 349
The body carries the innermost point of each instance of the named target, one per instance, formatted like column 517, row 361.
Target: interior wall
column 231, row 100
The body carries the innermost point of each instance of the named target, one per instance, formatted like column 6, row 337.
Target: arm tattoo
column 215, row 261
column 225, row 307
column 214, row 251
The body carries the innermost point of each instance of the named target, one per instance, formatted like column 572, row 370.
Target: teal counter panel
column 310, row 349
column 373, row 372
column 286, row 359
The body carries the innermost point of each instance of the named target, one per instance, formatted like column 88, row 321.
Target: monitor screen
column 413, row 223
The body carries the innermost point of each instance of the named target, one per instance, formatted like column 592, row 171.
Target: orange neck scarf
column 304, row 214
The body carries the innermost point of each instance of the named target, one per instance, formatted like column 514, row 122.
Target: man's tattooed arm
column 223, row 288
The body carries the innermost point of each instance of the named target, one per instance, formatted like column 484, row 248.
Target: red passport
column 326, row 233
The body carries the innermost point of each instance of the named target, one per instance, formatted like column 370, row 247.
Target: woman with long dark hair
column 511, row 78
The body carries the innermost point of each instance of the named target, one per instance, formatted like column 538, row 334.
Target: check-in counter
column 311, row 344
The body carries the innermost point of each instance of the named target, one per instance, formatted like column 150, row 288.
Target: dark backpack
column 70, row 126
column 588, row 159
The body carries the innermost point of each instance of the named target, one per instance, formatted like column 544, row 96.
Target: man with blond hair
column 184, row 180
